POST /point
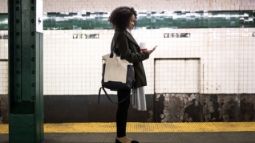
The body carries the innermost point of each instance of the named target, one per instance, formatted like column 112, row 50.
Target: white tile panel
column 73, row 66
column 3, row 6
column 4, row 78
column 177, row 76
column 170, row 5
column 3, row 45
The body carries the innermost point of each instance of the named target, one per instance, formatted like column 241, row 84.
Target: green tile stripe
column 150, row 20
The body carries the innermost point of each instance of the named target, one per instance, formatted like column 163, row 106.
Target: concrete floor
column 219, row 137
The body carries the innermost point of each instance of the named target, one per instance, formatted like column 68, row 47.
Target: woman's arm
column 125, row 53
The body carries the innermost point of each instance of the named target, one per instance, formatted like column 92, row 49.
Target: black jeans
column 122, row 112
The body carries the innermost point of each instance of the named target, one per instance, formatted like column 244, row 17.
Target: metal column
column 25, row 71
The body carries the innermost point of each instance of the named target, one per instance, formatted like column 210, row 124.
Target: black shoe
column 133, row 141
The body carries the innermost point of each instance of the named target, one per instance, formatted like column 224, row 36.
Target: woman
column 124, row 45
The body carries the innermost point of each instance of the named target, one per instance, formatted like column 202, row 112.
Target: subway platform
column 203, row 132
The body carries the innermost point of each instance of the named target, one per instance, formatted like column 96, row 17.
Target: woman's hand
column 143, row 50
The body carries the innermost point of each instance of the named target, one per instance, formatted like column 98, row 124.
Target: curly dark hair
column 120, row 17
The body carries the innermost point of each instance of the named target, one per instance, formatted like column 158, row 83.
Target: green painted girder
column 25, row 73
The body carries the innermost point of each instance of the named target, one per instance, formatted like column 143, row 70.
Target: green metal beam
column 25, row 73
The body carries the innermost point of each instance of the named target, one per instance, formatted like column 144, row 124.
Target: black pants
column 122, row 112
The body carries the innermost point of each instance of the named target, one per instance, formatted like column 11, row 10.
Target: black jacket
column 126, row 47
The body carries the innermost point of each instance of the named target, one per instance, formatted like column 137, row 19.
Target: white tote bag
column 117, row 73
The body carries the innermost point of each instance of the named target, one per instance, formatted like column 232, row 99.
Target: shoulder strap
column 108, row 97
column 113, row 44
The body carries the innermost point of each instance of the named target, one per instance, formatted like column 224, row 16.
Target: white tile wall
column 3, row 6
column 73, row 66
column 4, row 78
column 188, row 5
column 226, row 59
column 3, row 64
column 4, row 46
column 177, row 76
column 171, row 5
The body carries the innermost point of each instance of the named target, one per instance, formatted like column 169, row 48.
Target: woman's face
column 132, row 22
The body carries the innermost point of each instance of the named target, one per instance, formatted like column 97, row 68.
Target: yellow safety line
column 138, row 127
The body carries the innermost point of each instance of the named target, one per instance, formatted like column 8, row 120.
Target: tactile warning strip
column 138, row 127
